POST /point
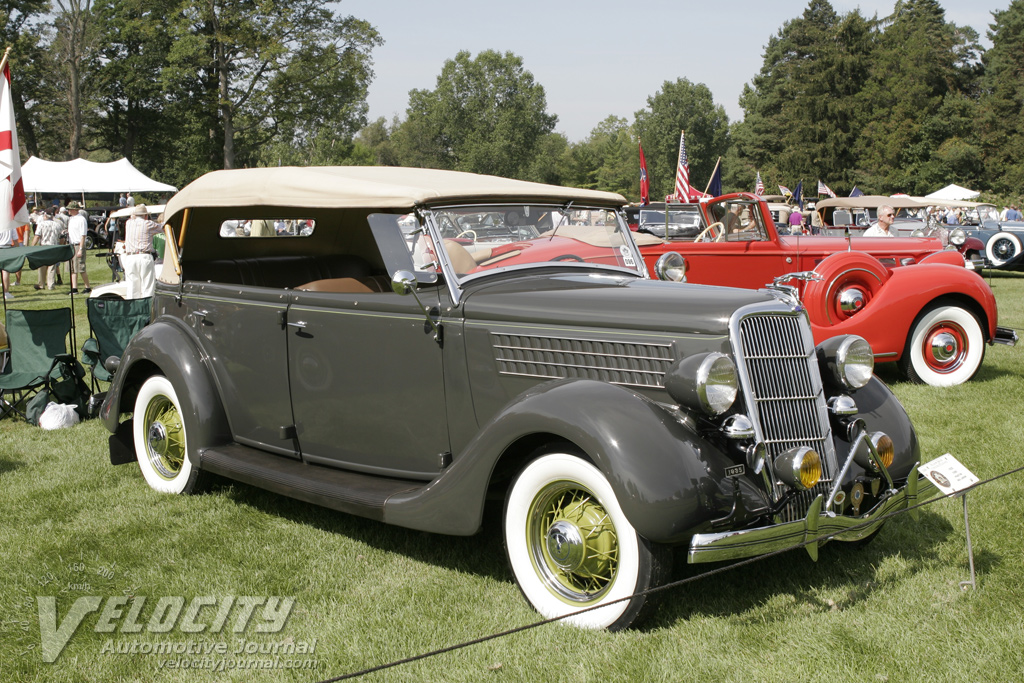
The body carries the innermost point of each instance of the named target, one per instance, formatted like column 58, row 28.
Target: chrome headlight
column 706, row 382
column 957, row 236
column 849, row 359
column 671, row 266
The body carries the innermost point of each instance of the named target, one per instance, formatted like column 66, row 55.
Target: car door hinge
column 444, row 460
column 286, row 432
column 282, row 318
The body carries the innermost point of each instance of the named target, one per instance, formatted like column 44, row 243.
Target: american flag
column 645, row 185
column 13, row 212
column 683, row 171
column 759, row 186
column 824, row 189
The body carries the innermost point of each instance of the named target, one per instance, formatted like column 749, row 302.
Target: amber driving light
column 884, row 447
column 799, row 468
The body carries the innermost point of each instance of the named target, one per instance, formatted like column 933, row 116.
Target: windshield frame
column 430, row 219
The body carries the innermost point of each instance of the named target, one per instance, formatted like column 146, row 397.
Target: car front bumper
column 823, row 526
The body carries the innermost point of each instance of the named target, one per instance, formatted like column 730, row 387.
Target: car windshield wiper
column 563, row 220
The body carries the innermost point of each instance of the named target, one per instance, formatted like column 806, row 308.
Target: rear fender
column 666, row 478
column 166, row 347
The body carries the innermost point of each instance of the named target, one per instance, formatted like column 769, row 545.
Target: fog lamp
column 799, row 468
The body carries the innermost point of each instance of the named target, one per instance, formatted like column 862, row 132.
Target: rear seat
column 277, row 271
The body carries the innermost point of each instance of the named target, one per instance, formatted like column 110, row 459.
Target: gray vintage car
column 413, row 345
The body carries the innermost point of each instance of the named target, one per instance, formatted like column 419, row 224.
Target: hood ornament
column 788, row 293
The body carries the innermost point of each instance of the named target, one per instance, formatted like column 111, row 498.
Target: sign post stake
column 970, row 550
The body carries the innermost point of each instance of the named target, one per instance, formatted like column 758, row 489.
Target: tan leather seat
column 344, row 285
column 462, row 261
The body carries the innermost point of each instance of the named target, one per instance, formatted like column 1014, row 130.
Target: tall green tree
column 681, row 105
column 1001, row 118
column 486, row 115
column 292, row 73
column 920, row 60
column 75, row 49
column 802, row 112
column 19, row 30
column 132, row 118
column 607, row 159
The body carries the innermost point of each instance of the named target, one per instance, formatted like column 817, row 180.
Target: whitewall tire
column 161, row 443
column 1002, row 247
column 945, row 347
column 571, row 547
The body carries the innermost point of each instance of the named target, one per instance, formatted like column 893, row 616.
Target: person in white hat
column 139, row 270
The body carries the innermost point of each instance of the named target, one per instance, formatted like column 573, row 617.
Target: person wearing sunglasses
column 886, row 214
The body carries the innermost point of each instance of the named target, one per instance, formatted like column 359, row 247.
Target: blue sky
column 596, row 58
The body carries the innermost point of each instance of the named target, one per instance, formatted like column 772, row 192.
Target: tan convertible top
column 379, row 187
column 872, row 201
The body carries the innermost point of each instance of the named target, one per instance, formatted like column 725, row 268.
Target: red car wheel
column 945, row 347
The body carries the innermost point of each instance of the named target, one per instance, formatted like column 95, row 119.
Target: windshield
column 478, row 239
column 674, row 224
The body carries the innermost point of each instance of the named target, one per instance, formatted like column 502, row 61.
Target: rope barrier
column 667, row 586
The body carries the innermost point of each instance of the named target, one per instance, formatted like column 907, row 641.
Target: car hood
column 607, row 301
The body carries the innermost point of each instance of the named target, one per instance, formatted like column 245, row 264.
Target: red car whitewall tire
column 945, row 347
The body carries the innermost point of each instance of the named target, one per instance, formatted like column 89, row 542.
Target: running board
column 350, row 492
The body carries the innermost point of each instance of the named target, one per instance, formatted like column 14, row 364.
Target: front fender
column 886, row 319
column 167, row 347
column 667, row 479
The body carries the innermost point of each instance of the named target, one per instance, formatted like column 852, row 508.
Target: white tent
column 953, row 192
column 81, row 176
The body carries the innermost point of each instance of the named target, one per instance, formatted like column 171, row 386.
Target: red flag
column 683, row 171
column 645, row 184
column 13, row 211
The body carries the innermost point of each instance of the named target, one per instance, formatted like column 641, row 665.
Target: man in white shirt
column 886, row 214
column 139, row 271
column 78, row 226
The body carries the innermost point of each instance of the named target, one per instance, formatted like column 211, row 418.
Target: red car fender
column 886, row 319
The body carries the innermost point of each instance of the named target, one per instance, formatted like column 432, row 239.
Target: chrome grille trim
column 626, row 363
column 783, row 392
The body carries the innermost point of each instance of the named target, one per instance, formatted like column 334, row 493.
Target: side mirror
column 403, row 282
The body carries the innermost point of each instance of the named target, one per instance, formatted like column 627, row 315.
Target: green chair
column 36, row 338
column 112, row 324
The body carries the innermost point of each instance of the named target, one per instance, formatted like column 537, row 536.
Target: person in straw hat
column 138, row 259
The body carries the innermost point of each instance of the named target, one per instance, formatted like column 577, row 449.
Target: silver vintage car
column 413, row 345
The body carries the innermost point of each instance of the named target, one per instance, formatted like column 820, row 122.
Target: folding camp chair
column 36, row 338
column 113, row 323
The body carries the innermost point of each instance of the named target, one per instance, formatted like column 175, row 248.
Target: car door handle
column 198, row 316
column 301, row 324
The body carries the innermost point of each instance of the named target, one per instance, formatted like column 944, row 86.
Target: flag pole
column 712, row 175
column 3, row 62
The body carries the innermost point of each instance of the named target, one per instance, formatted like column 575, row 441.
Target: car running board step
column 351, row 492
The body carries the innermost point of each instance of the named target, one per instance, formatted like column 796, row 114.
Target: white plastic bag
column 58, row 415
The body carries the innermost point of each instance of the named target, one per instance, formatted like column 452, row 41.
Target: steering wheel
column 447, row 225
column 710, row 230
column 471, row 233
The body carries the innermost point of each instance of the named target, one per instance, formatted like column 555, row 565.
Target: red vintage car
column 915, row 303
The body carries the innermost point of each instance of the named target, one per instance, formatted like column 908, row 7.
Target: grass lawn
column 364, row 593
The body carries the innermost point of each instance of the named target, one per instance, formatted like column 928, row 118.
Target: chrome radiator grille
column 782, row 385
column 625, row 363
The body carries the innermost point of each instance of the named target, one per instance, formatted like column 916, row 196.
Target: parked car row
column 915, row 302
column 438, row 342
